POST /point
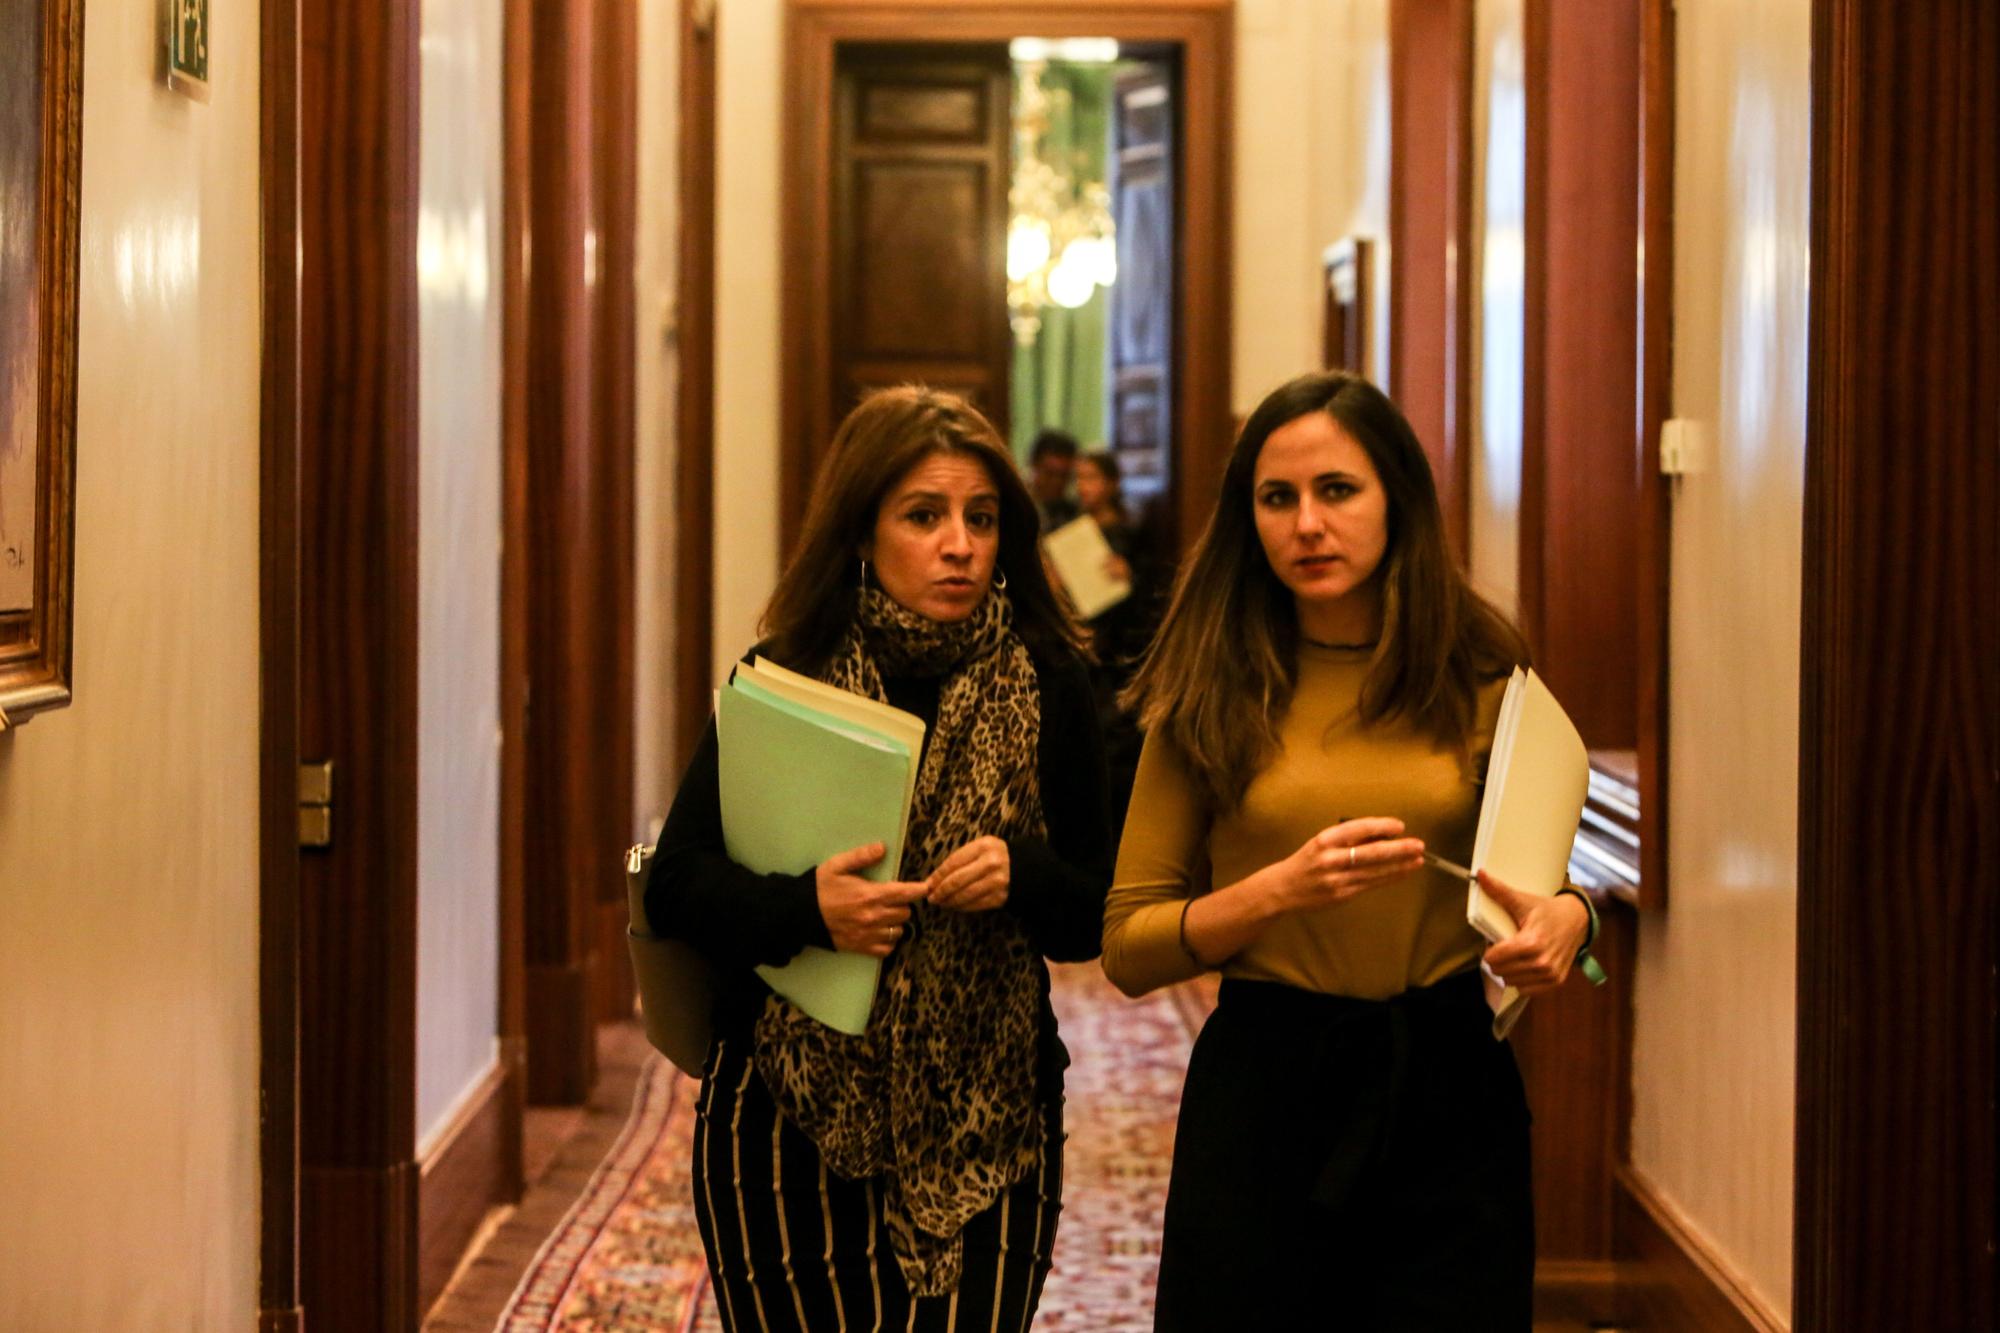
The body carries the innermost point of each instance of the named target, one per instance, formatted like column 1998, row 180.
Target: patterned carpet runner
column 628, row 1258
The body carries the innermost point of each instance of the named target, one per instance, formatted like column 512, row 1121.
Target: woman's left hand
column 974, row 878
column 1549, row 931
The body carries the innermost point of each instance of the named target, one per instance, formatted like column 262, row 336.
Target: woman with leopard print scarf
column 910, row 1177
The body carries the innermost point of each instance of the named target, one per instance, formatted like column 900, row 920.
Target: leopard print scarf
column 937, row 1097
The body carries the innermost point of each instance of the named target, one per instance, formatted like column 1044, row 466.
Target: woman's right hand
column 1349, row 858
column 862, row 916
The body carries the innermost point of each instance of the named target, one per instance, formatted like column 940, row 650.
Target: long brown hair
column 1221, row 672
column 890, row 432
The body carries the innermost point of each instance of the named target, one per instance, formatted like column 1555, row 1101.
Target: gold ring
column 1350, row 858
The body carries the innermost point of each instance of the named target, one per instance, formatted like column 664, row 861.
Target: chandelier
column 1061, row 240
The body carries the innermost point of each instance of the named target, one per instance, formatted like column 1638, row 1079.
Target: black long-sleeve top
column 738, row 918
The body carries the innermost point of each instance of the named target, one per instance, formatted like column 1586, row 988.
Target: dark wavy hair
column 1220, row 674
column 890, row 432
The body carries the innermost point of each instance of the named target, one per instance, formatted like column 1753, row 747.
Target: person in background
column 910, row 1177
column 1051, row 463
column 1119, row 634
column 1319, row 706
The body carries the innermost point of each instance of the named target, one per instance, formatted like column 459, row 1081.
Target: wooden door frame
column 1655, row 401
column 517, row 41
column 614, row 373
column 1899, row 708
column 694, row 405
column 1430, row 241
column 280, row 1307
column 357, row 642
column 1203, row 30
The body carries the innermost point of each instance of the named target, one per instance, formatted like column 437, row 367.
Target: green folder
column 799, row 785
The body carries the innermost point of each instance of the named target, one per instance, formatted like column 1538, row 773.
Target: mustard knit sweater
column 1405, row 933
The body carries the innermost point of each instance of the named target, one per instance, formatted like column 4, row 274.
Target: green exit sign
column 187, row 47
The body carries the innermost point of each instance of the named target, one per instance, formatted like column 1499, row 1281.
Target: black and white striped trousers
column 792, row 1246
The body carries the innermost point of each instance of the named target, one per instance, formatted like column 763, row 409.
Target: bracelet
column 1588, row 906
column 1187, row 948
column 1593, row 970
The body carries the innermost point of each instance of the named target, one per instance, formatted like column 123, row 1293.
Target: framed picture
column 41, row 67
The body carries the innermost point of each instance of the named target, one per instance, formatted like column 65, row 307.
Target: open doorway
column 1090, row 248
column 1095, row 301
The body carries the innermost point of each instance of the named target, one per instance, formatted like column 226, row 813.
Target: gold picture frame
column 40, row 150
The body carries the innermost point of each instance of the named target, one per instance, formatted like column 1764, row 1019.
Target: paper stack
column 1079, row 553
column 1536, row 782
column 808, row 770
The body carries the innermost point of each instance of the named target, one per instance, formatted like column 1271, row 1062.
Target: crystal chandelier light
column 1061, row 241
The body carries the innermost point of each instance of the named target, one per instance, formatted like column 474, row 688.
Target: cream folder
column 1536, row 780
column 1079, row 553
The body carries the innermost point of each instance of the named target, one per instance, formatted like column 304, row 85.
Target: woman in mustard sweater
column 1353, row 1142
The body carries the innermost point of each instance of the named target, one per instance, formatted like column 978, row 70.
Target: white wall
column 657, row 391
column 458, row 557
column 1714, row 1051
column 128, row 822
column 1311, row 166
column 749, row 54
column 1310, row 162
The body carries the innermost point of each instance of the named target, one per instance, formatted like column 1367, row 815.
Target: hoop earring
column 864, row 574
column 1000, row 581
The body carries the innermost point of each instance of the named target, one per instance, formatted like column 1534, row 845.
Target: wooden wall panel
column 358, row 648
column 459, row 1180
column 568, row 600
column 1580, row 498
column 1573, row 1047
column 615, row 132
column 1899, row 791
column 1430, row 239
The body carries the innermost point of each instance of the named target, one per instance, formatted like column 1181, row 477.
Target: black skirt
column 791, row 1245
column 1350, row 1164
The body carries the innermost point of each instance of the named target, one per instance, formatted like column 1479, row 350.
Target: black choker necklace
column 1341, row 647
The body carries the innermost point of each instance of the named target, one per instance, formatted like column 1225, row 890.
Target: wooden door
column 922, row 161
column 1142, row 302
column 1897, row 1218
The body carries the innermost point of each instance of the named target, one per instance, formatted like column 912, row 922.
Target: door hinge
column 316, row 804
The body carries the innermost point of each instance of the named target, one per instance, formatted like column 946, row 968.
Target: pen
column 1449, row 867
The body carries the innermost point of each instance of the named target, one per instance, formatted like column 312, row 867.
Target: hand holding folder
column 809, row 771
column 1537, row 778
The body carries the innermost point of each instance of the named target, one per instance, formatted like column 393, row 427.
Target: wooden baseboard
column 358, row 1232
column 1578, row 1291
column 1673, row 1278
column 461, row 1177
column 562, row 1033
